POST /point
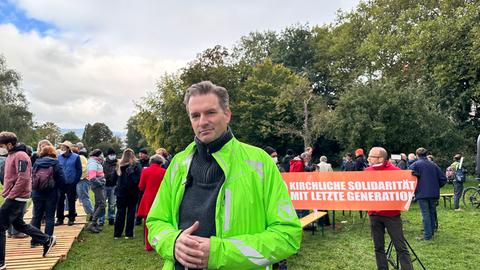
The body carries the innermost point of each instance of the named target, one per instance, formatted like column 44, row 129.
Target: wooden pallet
column 19, row 254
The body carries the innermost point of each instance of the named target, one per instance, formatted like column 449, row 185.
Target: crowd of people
column 123, row 189
column 191, row 219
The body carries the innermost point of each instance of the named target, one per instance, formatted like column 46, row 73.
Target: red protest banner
column 370, row 190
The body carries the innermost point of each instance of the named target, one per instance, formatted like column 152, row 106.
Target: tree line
column 395, row 73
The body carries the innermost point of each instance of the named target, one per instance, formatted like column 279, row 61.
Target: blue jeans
column 457, row 193
column 112, row 201
column 83, row 188
column 428, row 207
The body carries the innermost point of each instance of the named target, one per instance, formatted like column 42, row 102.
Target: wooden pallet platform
column 19, row 254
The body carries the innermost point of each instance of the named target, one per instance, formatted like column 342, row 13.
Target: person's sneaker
column 459, row 210
column 71, row 222
column 93, row 228
column 19, row 235
column 49, row 244
column 3, row 267
column 111, row 222
column 128, row 237
column 421, row 238
column 58, row 222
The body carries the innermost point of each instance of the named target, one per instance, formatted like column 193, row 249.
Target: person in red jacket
column 150, row 181
column 390, row 220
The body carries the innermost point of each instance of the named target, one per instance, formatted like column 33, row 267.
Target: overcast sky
column 88, row 61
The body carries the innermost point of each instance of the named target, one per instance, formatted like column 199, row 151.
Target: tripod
column 395, row 264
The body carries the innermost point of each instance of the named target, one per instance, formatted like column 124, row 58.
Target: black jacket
column 127, row 182
column 109, row 167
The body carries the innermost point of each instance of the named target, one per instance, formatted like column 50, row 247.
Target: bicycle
column 471, row 197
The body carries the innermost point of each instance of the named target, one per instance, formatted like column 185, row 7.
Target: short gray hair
column 207, row 87
column 323, row 159
column 157, row 159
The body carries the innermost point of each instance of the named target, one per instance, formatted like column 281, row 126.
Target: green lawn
column 455, row 245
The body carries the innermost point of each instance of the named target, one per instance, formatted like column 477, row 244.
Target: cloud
column 99, row 56
column 72, row 87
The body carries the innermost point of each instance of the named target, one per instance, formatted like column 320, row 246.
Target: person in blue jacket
column 430, row 180
column 72, row 166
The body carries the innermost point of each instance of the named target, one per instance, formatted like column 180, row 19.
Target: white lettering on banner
column 328, row 196
column 387, row 185
column 299, row 195
column 352, row 185
column 338, row 185
column 379, row 196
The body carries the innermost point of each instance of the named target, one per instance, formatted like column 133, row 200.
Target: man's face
column 209, row 121
column 374, row 157
column 64, row 148
column 142, row 155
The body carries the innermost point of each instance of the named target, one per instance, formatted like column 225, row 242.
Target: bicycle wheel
column 471, row 197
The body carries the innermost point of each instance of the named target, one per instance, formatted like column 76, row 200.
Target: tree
column 397, row 117
column 95, row 134
column 162, row 118
column 70, row 136
column 49, row 131
column 14, row 113
column 135, row 139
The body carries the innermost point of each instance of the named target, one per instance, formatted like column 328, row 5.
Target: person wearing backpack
column 16, row 191
column 47, row 178
column 458, row 180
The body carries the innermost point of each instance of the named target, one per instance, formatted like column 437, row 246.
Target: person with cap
column 72, row 166
column 143, row 158
column 83, row 186
column 223, row 203
column 16, row 191
column 109, row 166
column 273, row 153
column 360, row 162
column 96, row 176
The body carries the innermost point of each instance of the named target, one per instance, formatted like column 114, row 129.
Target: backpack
column 460, row 175
column 42, row 179
column 450, row 174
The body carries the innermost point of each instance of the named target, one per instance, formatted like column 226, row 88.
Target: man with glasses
column 386, row 219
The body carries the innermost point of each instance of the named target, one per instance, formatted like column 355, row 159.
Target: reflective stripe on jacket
column 256, row 223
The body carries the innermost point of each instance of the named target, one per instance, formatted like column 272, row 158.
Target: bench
column 311, row 218
column 446, row 196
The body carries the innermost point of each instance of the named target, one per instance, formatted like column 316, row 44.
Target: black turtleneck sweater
column 204, row 180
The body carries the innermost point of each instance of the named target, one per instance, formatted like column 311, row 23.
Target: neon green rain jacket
column 256, row 224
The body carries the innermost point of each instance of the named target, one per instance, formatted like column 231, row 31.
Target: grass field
column 455, row 245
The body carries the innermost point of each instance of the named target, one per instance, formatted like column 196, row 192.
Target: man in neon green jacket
column 222, row 203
